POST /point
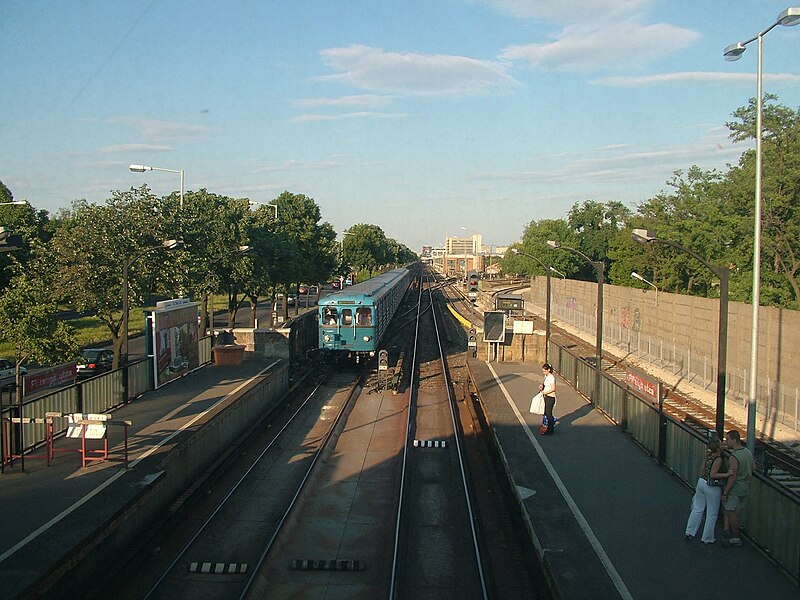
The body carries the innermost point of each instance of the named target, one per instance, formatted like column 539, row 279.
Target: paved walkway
column 50, row 511
column 609, row 520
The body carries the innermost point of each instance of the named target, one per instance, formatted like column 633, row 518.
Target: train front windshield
column 330, row 316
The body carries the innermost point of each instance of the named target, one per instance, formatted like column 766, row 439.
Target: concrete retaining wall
column 174, row 473
column 290, row 342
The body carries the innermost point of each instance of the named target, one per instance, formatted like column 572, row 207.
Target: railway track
column 352, row 490
column 775, row 460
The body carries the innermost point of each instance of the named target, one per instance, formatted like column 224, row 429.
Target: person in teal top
column 734, row 495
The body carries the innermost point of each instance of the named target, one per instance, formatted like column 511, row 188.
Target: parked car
column 289, row 299
column 8, row 373
column 94, row 361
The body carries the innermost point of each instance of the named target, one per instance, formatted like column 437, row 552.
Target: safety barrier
column 96, row 395
column 772, row 513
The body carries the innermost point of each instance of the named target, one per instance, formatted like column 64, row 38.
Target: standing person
column 707, row 494
column 734, row 496
column 548, row 389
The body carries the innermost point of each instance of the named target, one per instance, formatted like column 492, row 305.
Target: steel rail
column 396, row 549
column 461, row 460
column 229, row 495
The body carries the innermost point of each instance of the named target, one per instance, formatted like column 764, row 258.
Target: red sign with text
column 643, row 384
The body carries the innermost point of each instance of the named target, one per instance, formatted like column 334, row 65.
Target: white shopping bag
column 537, row 404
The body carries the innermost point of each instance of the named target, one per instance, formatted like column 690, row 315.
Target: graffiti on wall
column 629, row 319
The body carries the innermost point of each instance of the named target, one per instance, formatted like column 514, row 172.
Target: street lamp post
column 635, row 275
column 143, row 168
column 722, row 272
column 126, row 265
column 547, row 301
column 599, row 267
column 341, row 246
column 789, row 17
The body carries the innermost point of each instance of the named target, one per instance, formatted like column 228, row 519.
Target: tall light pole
column 599, row 267
column 253, row 203
column 789, row 17
column 143, row 168
column 341, row 246
column 721, row 271
column 635, row 275
column 547, row 301
column 126, row 265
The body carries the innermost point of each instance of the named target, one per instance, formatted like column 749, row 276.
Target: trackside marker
column 218, row 568
column 327, row 565
column 430, row 443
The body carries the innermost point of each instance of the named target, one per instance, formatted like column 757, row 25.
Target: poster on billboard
column 172, row 334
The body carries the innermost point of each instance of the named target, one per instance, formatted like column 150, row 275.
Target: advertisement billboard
column 172, row 334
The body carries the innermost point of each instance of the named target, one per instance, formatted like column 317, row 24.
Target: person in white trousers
column 707, row 495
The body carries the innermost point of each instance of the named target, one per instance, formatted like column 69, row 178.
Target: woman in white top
column 548, row 389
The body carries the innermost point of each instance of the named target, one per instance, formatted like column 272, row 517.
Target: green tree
column 780, row 247
column 595, row 225
column 89, row 250
column 534, row 242
column 213, row 228
column 366, row 248
column 28, row 322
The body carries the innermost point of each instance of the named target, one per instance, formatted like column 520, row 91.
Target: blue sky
column 421, row 116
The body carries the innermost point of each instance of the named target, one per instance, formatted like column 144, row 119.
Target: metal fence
column 772, row 513
column 778, row 402
column 96, row 395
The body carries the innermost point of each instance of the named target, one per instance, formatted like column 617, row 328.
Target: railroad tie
column 218, row 568
column 327, row 565
column 430, row 443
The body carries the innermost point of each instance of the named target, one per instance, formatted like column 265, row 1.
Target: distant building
column 463, row 254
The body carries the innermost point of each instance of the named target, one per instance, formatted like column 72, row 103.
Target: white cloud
column 307, row 118
column 654, row 165
column 361, row 100
column 293, row 165
column 567, row 10
column 370, row 68
column 696, row 77
column 125, row 148
column 585, row 47
column 163, row 130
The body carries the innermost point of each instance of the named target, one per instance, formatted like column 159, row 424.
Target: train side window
column 330, row 316
column 364, row 317
column 347, row 317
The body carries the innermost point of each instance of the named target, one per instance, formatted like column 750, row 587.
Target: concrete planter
column 228, row 355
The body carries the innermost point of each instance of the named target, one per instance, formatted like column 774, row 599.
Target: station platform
column 61, row 517
column 607, row 519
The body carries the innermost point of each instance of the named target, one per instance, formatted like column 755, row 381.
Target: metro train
column 353, row 321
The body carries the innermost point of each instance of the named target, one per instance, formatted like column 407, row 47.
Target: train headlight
column 327, row 338
column 367, row 338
